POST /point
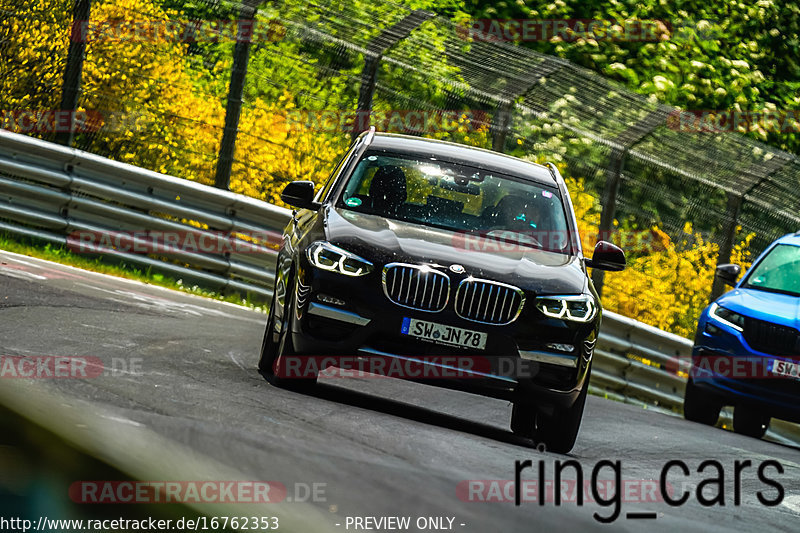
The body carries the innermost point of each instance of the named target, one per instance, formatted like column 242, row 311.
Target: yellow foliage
column 159, row 113
column 669, row 288
column 667, row 283
column 34, row 49
column 271, row 151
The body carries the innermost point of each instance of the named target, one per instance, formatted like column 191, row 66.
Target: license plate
column 439, row 333
column 786, row 368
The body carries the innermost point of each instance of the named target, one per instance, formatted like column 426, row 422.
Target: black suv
column 461, row 264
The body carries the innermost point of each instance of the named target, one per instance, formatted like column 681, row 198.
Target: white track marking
column 792, row 503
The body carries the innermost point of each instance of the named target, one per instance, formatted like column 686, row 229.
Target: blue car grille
column 771, row 338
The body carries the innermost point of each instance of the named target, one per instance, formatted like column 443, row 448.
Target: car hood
column 762, row 305
column 384, row 240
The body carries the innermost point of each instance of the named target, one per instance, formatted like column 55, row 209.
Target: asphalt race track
column 381, row 447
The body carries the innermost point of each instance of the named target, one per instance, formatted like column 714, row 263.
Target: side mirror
column 729, row 273
column 300, row 194
column 607, row 256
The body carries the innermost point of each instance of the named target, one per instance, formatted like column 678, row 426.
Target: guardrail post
column 233, row 109
column 372, row 58
column 71, row 86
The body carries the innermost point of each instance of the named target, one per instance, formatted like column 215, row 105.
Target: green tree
column 709, row 55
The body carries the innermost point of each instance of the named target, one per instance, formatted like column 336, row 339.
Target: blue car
column 747, row 347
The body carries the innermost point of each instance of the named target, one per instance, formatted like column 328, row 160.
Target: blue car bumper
column 725, row 364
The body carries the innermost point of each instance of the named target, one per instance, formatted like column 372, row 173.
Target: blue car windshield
column 778, row 271
column 459, row 198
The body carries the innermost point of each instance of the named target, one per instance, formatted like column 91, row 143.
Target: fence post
column 734, row 209
column 515, row 88
column 376, row 47
column 726, row 246
column 501, row 125
column 71, row 86
column 369, row 78
column 626, row 140
column 233, row 109
column 609, row 203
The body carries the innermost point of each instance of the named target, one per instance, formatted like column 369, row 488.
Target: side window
column 322, row 195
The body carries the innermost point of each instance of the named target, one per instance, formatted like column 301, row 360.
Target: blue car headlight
column 326, row 256
column 726, row 316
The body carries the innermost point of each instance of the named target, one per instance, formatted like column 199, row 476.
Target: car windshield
column 460, row 198
column 779, row 271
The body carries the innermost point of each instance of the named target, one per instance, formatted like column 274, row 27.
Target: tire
column 557, row 432
column 523, row 420
column 272, row 350
column 700, row 406
column 749, row 421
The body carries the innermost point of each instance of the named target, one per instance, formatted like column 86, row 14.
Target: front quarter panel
column 303, row 228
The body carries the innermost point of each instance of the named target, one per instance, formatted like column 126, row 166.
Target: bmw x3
column 464, row 261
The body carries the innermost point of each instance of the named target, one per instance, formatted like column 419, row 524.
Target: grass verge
column 121, row 269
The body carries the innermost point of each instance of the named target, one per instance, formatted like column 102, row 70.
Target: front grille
column 771, row 338
column 415, row 286
column 489, row 302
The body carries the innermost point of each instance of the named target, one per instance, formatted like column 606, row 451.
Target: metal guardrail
column 637, row 362
column 49, row 191
column 63, row 195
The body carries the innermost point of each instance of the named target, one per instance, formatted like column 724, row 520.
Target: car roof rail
column 367, row 135
column 555, row 173
column 366, row 138
column 370, row 135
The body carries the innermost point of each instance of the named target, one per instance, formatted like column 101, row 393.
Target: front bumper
column 714, row 369
column 338, row 315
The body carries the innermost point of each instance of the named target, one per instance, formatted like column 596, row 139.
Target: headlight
column 326, row 256
column 580, row 308
column 727, row 317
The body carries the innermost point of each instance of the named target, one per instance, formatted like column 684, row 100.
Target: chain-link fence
column 251, row 96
